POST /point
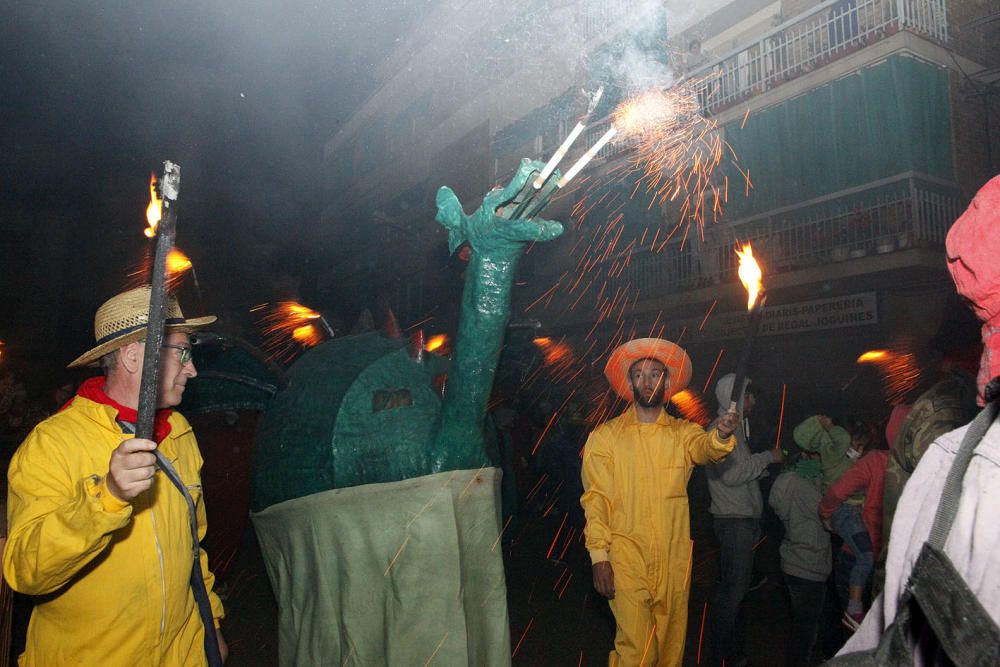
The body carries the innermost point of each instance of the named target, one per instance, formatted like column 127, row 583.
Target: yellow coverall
column 635, row 479
column 112, row 579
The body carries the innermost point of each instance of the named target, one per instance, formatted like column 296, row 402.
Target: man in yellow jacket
column 635, row 473
column 97, row 533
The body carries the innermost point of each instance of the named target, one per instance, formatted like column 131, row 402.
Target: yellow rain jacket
column 111, row 579
column 635, row 479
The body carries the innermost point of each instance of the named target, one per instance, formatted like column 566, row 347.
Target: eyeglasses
column 185, row 352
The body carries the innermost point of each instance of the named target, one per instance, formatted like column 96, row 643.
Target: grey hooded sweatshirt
column 805, row 550
column 733, row 483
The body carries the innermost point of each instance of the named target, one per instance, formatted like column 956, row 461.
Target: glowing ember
column 155, row 209
column 873, row 356
column 750, row 274
column 177, row 262
column 436, row 342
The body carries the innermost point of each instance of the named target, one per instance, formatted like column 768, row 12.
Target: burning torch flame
column 750, row 275
column 177, row 262
column 436, row 342
column 155, row 209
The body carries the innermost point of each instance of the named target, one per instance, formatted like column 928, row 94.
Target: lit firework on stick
column 543, row 177
column 750, row 275
column 288, row 324
column 564, row 148
column 899, row 370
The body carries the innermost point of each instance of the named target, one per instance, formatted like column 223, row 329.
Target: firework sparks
column 556, row 538
column 288, row 327
column 523, row 635
column 701, row 633
column 781, row 416
column 438, row 648
column 677, row 149
column 899, row 370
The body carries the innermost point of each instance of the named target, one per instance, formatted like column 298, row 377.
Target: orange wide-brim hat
column 672, row 356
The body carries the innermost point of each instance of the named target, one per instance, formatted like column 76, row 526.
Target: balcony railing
column 887, row 217
column 810, row 40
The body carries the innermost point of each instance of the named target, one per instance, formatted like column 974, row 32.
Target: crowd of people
column 898, row 519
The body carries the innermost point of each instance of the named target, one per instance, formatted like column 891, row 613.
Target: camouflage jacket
column 947, row 405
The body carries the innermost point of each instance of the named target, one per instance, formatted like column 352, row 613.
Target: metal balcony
column 890, row 216
column 812, row 39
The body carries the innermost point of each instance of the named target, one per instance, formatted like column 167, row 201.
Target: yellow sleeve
column 598, row 483
column 58, row 519
column 705, row 446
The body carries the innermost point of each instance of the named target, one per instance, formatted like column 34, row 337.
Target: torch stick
column 149, row 384
column 166, row 229
column 753, row 326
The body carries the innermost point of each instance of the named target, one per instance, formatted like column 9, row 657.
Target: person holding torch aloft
column 97, row 533
column 635, row 473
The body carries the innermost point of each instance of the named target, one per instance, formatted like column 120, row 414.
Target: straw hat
column 670, row 355
column 122, row 319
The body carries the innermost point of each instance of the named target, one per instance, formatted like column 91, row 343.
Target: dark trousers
column 807, row 598
column 736, row 539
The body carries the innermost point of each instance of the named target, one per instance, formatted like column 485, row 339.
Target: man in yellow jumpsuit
column 635, row 473
column 97, row 533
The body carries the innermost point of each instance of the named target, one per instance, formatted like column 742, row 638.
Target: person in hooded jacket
column 972, row 544
column 806, row 560
column 736, row 508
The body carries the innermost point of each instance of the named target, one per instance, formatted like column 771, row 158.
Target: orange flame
column 177, row 262
column 692, row 407
column 750, row 275
column 436, row 342
column 155, row 209
column 873, row 356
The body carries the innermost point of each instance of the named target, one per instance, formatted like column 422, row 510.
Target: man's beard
column 654, row 401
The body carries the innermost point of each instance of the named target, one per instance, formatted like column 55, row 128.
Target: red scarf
column 93, row 389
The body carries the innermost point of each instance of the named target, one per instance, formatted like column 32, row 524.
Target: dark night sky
column 95, row 95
